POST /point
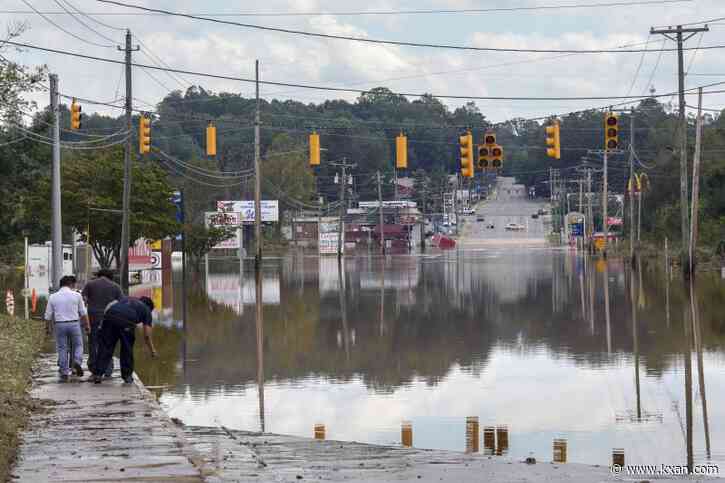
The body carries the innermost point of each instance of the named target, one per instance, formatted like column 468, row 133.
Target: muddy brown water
column 539, row 345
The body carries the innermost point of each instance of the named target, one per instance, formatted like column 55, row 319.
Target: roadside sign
column 245, row 208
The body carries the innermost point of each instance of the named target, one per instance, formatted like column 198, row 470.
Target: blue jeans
column 65, row 332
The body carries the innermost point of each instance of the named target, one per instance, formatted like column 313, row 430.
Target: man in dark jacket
column 98, row 293
column 119, row 324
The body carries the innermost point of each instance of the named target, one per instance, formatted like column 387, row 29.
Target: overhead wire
column 639, row 67
column 357, row 91
column 62, row 29
column 77, row 19
column 88, row 16
column 378, row 41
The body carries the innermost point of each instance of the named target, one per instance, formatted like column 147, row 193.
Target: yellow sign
column 600, row 243
column 601, row 265
column 158, row 298
column 155, row 245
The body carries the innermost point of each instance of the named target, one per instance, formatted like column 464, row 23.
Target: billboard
column 245, row 208
column 328, row 243
column 218, row 220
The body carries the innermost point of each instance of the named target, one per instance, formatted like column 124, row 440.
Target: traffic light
column 553, row 141
column 496, row 156
column 314, row 149
column 144, row 134
column 611, row 131
column 484, row 156
column 401, row 151
column 211, row 139
column 466, row 142
column 75, row 115
column 489, row 138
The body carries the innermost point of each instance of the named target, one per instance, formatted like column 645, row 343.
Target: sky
column 230, row 50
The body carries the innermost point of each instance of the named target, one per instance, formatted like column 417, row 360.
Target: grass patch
column 20, row 341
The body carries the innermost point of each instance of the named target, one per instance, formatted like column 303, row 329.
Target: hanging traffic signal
column 466, row 142
column 144, row 134
column 484, row 157
column 611, row 131
column 75, row 115
column 553, row 141
column 314, row 149
column 211, row 139
column 401, row 151
column 496, row 157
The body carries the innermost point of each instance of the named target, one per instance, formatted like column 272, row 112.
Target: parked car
column 514, row 227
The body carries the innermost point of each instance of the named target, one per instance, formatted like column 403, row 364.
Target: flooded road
column 498, row 351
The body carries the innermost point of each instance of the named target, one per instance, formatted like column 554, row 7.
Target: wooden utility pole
column 381, row 225
column 125, row 220
column 696, row 185
column 343, row 206
column 257, row 176
column 56, row 227
column 631, row 187
column 679, row 32
column 605, row 204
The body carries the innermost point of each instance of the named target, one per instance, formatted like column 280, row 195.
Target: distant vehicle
column 446, row 223
column 535, row 216
column 514, row 227
column 468, row 211
column 479, row 218
column 490, row 226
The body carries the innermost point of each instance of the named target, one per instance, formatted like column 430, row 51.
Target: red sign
column 140, row 253
column 612, row 221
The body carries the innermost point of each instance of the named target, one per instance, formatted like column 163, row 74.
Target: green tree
column 92, row 187
column 200, row 240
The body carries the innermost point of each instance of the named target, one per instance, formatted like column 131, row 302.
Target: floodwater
column 542, row 345
column 533, row 342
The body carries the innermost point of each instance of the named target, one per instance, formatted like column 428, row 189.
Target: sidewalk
column 107, row 432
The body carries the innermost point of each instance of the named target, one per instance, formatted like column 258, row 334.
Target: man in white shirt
column 67, row 310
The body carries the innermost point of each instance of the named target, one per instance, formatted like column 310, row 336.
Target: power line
column 639, row 67
column 380, row 41
column 61, row 28
column 397, row 12
column 93, row 19
column 77, row 19
column 349, row 90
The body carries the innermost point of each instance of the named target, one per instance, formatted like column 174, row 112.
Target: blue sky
column 194, row 45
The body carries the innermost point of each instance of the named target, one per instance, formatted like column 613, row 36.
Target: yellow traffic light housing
column 211, row 139
column 144, row 134
column 496, row 157
column 484, row 157
column 466, row 142
column 611, row 131
column 314, row 149
column 553, row 141
column 75, row 115
column 401, row 151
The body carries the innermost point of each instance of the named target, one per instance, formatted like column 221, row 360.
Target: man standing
column 119, row 324
column 98, row 293
column 66, row 309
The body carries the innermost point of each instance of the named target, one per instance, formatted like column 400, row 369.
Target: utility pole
column 382, row 220
column 680, row 39
column 590, row 214
column 695, row 187
column 57, row 223
column 605, row 203
column 343, row 206
column 631, row 187
column 125, row 220
column 257, row 177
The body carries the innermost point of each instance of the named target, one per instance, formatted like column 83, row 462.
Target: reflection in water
column 545, row 341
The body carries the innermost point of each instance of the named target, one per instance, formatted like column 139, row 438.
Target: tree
column 200, row 240
column 286, row 175
column 92, row 187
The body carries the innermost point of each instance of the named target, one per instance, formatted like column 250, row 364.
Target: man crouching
column 119, row 325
